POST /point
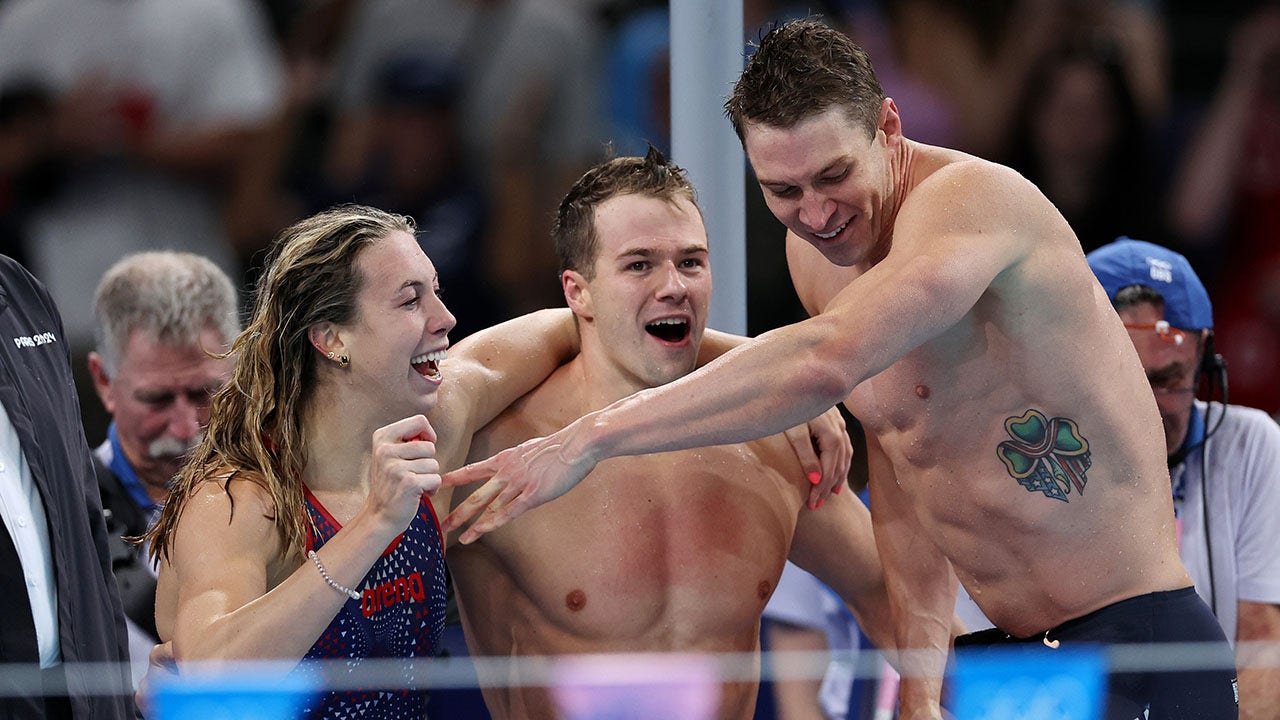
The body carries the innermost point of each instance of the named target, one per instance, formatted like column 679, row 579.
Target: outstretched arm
column 943, row 260
column 822, row 444
column 716, row 343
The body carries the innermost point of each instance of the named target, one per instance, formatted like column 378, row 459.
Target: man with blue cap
column 1223, row 459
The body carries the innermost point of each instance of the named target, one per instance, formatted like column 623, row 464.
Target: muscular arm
column 788, row 375
column 944, row 259
column 836, row 545
column 921, row 586
column 1259, row 664
column 716, row 343
column 822, row 445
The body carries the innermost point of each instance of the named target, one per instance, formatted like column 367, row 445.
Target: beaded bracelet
column 333, row 584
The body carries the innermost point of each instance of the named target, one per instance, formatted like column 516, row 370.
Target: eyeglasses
column 1163, row 330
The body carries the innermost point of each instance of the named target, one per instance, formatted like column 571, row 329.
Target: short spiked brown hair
column 803, row 68
column 575, row 228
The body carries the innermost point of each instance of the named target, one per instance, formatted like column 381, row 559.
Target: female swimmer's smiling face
column 828, row 181
column 401, row 327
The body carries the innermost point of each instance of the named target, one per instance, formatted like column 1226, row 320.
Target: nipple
column 922, row 392
column 575, row 600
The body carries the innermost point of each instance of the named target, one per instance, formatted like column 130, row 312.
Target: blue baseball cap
column 1128, row 262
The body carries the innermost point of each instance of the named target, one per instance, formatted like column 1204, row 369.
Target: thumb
column 424, row 430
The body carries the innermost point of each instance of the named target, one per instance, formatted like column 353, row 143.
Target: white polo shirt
column 1242, row 479
column 23, row 514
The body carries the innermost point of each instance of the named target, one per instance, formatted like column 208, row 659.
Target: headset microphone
column 1214, row 369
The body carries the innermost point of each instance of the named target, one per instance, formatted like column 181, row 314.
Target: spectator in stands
column 163, row 320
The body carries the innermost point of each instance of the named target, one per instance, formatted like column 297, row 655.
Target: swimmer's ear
column 577, row 294
column 326, row 338
column 889, row 122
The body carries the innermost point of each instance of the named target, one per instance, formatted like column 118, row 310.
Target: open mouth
column 670, row 330
column 428, row 364
column 833, row 233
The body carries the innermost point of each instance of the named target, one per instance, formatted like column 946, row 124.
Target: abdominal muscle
column 1031, row 561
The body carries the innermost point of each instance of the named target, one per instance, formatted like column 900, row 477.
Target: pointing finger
column 469, row 474
column 470, row 507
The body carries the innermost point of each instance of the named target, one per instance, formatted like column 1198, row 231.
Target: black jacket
column 40, row 399
column 134, row 578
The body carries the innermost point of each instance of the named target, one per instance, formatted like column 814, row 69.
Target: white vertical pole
column 706, row 59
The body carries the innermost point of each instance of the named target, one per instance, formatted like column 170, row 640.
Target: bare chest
column 924, row 394
column 662, row 551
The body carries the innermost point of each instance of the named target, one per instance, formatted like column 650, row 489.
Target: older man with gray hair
column 162, row 319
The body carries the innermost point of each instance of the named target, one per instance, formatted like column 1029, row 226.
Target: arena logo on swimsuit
column 392, row 592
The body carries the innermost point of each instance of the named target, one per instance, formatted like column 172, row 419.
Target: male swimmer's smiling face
column 647, row 303
column 1171, row 369
column 828, row 182
column 401, row 328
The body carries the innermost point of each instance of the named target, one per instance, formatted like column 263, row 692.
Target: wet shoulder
column 234, row 509
column 970, row 192
column 542, row 411
column 238, row 490
column 969, row 199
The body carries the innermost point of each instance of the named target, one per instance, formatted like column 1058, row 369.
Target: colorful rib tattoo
column 1047, row 455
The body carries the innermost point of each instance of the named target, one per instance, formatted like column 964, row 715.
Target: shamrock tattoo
column 1048, row 455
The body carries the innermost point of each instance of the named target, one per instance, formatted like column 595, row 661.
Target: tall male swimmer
column 1012, row 437
column 670, row 552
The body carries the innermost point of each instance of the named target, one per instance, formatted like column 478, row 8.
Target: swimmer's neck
column 909, row 165
column 337, row 445
column 598, row 381
column 901, row 178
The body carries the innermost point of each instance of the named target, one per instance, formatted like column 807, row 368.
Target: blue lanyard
column 128, row 478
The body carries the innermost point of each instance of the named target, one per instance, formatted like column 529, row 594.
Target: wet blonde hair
column 255, row 421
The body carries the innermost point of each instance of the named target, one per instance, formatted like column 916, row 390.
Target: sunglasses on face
column 1163, row 330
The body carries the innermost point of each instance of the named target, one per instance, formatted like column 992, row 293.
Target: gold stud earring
column 343, row 361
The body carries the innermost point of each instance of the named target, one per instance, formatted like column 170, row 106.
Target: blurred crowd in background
column 209, row 125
